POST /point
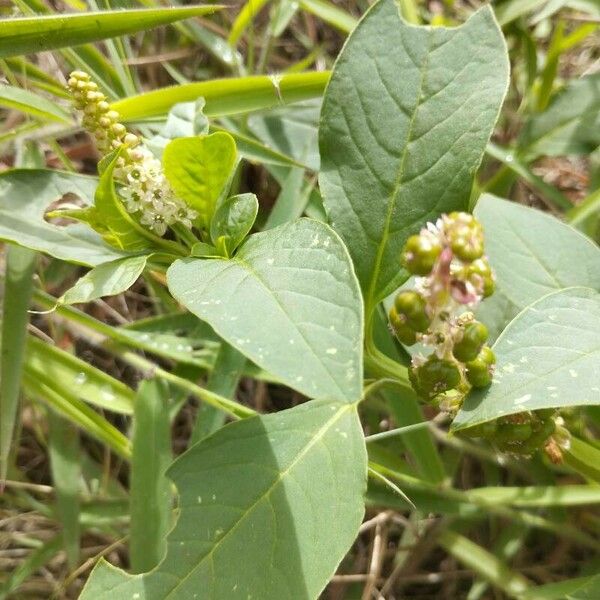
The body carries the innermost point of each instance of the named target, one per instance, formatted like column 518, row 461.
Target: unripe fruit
column 402, row 331
column 434, row 377
column 465, row 235
column 412, row 307
column 479, row 371
column 468, row 347
column 420, row 253
column 480, row 269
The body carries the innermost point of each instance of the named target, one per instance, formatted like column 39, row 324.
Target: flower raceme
column 453, row 275
column 144, row 188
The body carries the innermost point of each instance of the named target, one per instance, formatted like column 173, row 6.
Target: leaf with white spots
column 547, row 357
column 289, row 301
column 533, row 254
column 293, row 511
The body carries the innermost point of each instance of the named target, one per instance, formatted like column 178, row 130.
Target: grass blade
column 483, row 563
column 39, row 33
column 150, row 489
column 20, row 264
column 227, row 96
column 66, row 473
column 223, row 380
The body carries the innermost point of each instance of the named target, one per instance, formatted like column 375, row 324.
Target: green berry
column 480, row 270
column 402, row 331
column 420, row 253
column 434, row 377
column 479, row 371
column 483, row 430
column 411, row 306
column 466, row 236
column 474, row 336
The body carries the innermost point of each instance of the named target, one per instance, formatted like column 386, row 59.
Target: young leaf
column 199, row 169
column 150, row 489
column 25, row 195
column 570, row 125
column 294, row 527
column 400, row 145
column 39, row 33
column 233, row 221
column 184, row 120
column 527, row 267
column 546, row 358
column 107, row 279
column 298, row 278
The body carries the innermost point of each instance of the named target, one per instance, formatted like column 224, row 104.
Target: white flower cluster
column 146, row 190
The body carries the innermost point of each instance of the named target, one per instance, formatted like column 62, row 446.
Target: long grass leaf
column 63, row 449
column 150, row 488
column 227, row 96
column 20, row 264
column 25, row 35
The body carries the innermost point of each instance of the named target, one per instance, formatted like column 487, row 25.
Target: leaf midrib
column 371, row 298
column 314, row 440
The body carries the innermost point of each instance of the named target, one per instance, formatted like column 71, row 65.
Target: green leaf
column 64, row 453
column 184, row 120
column 31, row 104
column 294, row 527
column 405, row 121
column 581, row 588
column 18, row 285
column 292, row 130
column 40, row 33
column 330, row 13
column 226, row 96
column 513, row 9
column 150, row 492
column 584, row 458
column 111, row 218
column 72, row 375
column 298, row 278
column 233, row 221
column 485, row 564
column 570, row 125
column 199, row 170
column 24, row 196
column 43, row 389
column 546, row 358
column 107, row 279
column 527, row 267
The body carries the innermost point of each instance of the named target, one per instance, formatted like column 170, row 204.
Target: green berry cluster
column 98, row 118
column 524, row 433
column 453, row 277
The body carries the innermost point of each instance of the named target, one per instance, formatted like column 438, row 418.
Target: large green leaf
column 107, row 279
column 547, row 357
column 199, row 169
column 570, row 125
column 295, row 507
column 288, row 300
column 25, row 194
column 404, row 124
column 227, row 96
column 532, row 254
column 39, row 33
